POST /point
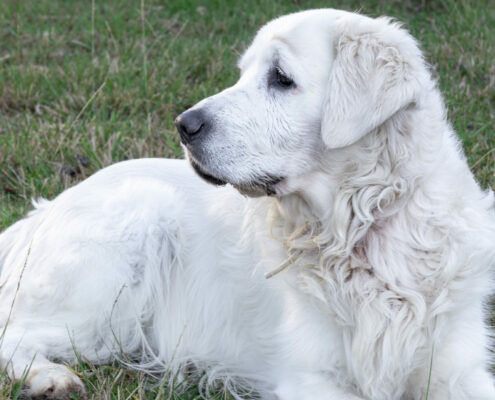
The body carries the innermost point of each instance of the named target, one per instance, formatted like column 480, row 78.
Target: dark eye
column 282, row 80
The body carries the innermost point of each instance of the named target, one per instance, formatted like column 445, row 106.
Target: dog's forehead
column 303, row 33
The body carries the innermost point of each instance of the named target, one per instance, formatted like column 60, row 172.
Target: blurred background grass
column 84, row 84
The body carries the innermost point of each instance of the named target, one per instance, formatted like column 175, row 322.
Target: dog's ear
column 376, row 72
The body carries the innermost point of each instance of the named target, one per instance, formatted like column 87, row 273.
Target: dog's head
column 310, row 82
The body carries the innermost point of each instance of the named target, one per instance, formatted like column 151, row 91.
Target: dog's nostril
column 190, row 124
column 195, row 130
column 187, row 127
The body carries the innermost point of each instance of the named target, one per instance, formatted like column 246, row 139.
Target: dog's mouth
column 205, row 175
column 264, row 186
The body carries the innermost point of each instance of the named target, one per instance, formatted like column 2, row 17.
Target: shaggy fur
column 378, row 243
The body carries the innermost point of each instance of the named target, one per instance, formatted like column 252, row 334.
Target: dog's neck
column 365, row 184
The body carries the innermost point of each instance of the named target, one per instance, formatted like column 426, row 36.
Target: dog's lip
column 264, row 186
column 200, row 170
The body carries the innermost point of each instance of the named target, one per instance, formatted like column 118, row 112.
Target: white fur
column 391, row 241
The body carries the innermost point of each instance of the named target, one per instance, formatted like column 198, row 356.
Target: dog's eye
column 281, row 80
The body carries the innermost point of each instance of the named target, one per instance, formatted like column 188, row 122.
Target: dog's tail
column 20, row 234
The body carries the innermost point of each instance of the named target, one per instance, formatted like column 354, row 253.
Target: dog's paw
column 54, row 381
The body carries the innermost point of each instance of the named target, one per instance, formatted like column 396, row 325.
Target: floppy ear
column 374, row 75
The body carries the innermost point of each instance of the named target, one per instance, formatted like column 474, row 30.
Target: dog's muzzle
column 194, row 126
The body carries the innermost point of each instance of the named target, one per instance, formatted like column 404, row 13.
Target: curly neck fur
column 370, row 182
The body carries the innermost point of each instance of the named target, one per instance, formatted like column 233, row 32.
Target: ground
column 84, row 84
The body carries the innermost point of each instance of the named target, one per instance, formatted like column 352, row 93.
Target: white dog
column 360, row 208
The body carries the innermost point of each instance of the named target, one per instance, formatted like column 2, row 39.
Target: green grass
column 84, row 84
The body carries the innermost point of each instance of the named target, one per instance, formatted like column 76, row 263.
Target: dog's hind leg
column 84, row 276
column 21, row 349
column 22, row 356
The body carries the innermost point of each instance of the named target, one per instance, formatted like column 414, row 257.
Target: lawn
column 84, row 84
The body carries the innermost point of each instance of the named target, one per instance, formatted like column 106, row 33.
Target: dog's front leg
column 311, row 386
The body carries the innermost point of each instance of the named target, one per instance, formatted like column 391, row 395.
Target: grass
column 86, row 84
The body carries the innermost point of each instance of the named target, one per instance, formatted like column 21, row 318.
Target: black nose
column 190, row 124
